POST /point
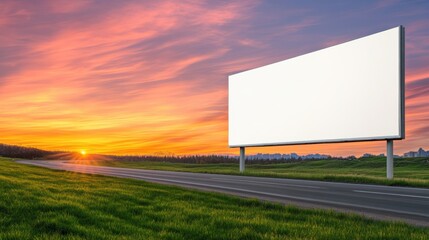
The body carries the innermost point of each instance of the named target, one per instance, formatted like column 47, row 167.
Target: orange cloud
column 104, row 86
column 127, row 77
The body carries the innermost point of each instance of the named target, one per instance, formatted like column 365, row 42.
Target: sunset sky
column 150, row 77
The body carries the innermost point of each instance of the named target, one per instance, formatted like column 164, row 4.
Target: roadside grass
column 39, row 203
column 412, row 172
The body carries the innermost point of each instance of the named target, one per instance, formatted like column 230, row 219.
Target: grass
column 38, row 203
column 408, row 171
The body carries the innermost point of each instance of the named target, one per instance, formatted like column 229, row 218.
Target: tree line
column 13, row 151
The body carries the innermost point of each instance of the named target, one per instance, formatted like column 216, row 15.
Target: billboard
column 353, row 91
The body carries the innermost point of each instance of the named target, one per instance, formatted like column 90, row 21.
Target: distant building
column 420, row 153
column 410, row 154
column 279, row 156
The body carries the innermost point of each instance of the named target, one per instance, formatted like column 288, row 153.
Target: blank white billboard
column 349, row 92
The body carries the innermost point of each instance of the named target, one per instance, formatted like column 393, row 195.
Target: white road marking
column 85, row 170
column 392, row 194
column 234, row 176
column 267, row 194
column 269, row 183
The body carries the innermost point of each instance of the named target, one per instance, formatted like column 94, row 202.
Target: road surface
column 381, row 202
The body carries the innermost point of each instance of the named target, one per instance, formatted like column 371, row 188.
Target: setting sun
column 83, row 152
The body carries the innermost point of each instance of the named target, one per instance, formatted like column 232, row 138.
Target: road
column 381, row 202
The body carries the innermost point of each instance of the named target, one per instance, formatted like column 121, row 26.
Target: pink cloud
column 133, row 77
column 85, row 85
column 65, row 6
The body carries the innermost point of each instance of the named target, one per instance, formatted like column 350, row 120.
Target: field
column 38, row 203
column 408, row 171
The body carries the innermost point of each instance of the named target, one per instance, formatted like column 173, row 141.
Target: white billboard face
column 349, row 92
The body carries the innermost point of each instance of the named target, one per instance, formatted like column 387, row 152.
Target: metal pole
column 389, row 163
column 242, row 158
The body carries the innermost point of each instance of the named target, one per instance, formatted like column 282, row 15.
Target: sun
column 83, row 152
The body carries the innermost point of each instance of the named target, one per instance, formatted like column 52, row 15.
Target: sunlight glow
column 122, row 84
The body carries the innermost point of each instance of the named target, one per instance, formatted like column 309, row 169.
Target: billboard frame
column 389, row 139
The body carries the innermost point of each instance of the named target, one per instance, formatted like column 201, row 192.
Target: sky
column 150, row 77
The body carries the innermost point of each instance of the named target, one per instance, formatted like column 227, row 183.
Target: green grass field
column 38, row 203
column 408, row 171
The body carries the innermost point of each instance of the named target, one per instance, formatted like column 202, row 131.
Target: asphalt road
column 376, row 201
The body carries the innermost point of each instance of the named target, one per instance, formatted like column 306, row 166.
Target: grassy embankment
column 38, row 203
column 408, row 171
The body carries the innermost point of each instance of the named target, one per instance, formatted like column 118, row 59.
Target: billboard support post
column 389, row 162
column 242, row 158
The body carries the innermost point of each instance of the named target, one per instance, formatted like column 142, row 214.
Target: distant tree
column 21, row 152
column 34, row 153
